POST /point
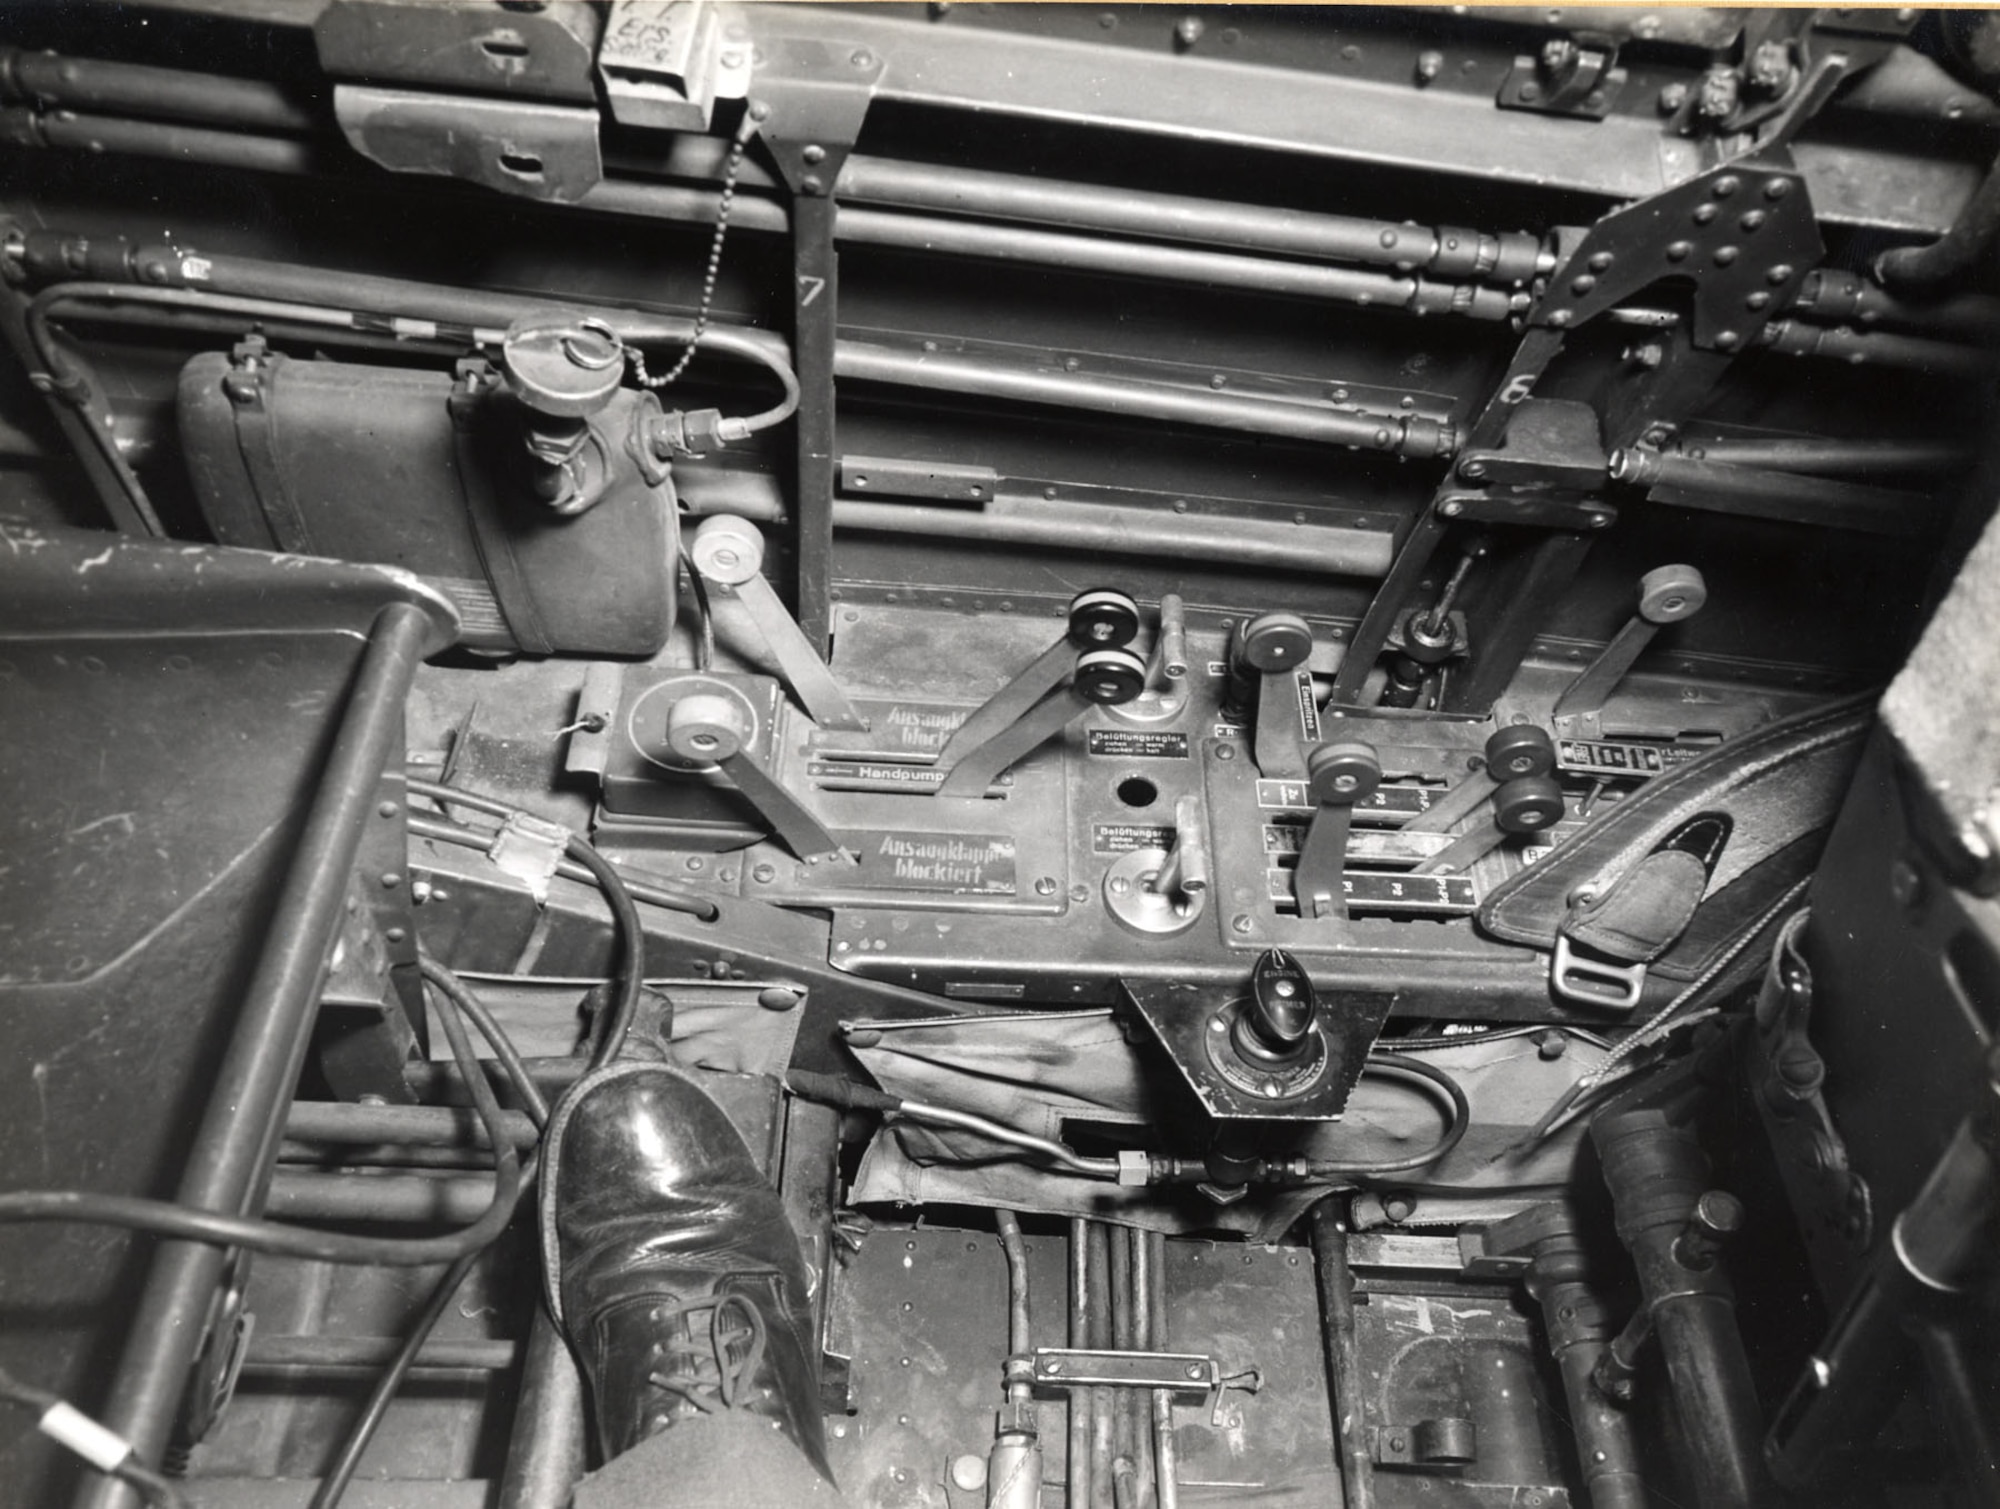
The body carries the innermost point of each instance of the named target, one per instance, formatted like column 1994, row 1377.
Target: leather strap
column 1780, row 785
column 248, row 387
column 1644, row 911
column 511, row 592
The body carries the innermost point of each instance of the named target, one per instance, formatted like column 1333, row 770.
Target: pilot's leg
column 681, row 1287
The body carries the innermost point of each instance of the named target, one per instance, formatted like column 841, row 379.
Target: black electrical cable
column 624, row 912
column 389, row 1383
column 1461, row 1122
column 164, row 1218
column 481, row 1016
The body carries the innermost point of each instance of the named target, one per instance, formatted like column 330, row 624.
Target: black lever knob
column 1279, row 1016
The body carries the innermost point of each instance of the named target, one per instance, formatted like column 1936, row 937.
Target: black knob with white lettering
column 1275, row 1024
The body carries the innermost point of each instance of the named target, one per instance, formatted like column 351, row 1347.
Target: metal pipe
column 1958, row 251
column 1166, row 1450
column 1014, row 1465
column 1831, row 296
column 1684, row 482
column 545, row 1447
column 1097, row 1259
column 1078, row 1445
column 337, row 1121
column 1879, row 348
column 73, row 83
column 404, row 1199
column 950, row 372
column 1018, row 1332
column 232, row 1149
column 1449, row 251
column 1098, row 529
column 1138, row 1404
column 98, row 134
column 277, row 1355
column 1345, row 1389
column 1833, row 458
column 1172, row 264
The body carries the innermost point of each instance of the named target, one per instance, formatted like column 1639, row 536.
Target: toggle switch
column 714, row 729
column 1518, row 750
column 728, row 552
column 1100, row 619
column 1098, row 678
column 1667, row 595
column 1338, row 776
column 1162, row 891
column 1526, row 804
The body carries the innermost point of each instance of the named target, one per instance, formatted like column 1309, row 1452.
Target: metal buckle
column 1595, row 982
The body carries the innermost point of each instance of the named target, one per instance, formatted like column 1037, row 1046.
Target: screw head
column 1240, row 923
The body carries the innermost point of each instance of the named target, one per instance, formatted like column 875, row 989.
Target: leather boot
column 671, row 1266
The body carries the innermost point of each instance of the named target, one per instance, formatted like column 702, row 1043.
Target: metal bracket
column 1575, row 74
column 1444, row 1442
column 1188, row 1375
column 1595, row 982
column 522, row 147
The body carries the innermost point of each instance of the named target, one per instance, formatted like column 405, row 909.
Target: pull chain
column 735, row 165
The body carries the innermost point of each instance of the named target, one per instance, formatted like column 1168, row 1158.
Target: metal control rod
column 1345, row 1386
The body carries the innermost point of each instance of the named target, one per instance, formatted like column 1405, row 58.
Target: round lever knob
column 706, row 727
column 1110, row 676
column 1667, row 594
column 1102, row 619
column 1520, row 749
column 1527, row 804
column 1340, row 775
column 1275, row 1024
column 1276, row 642
column 727, row 549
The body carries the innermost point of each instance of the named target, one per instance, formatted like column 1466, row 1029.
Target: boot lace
column 713, row 1377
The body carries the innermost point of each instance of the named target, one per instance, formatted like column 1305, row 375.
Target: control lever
column 1338, row 776
column 712, row 729
column 1526, row 804
column 1165, row 696
column 1667, row 594
column 1521, row 749
column 1101, row 619
column 1275, row 647
column 1155, row 891
column 729, row 554
column 1101, row 678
